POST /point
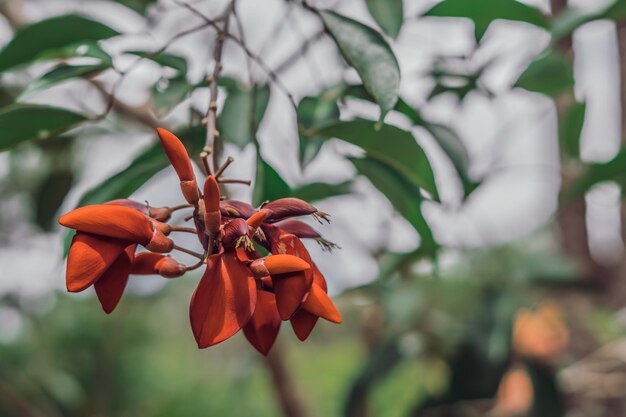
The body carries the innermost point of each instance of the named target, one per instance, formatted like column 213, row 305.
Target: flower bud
column 212, row 216
column 159, row 242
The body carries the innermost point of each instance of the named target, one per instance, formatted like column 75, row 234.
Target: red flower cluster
column 241, row 287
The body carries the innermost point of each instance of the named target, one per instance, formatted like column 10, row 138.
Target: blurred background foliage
column 533, row 326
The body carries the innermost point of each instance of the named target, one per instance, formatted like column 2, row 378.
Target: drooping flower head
column 257, row 273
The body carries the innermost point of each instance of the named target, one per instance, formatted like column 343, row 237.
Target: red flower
column 240, row 288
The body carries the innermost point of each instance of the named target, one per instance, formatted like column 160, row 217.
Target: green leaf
column 164, row 59
column 23, row 122
column 140, row 170
column 485, row 12
column 242, row 113
column 140, row 6
column 128, row 180
column 389, row 144
column 389, row 15
column 49, row 35
column 571, row 128
column 370, row 55
column 62, row 73
column 403, row 195
column 321, row 190
column 268, row 184
column 314, row 112
column 569, row 20
column 550, row 74
column 454, row 148
column 50, row 195
column 167, row 93
column 613, row 170
column 447, row 139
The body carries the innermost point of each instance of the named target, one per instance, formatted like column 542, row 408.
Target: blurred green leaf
column 321, row 190
column 550, row 74
column 268, row 185
column 389, row 14
column 242, row 113
column 403, row 195
column 485, row 12
column 23, row 122
column 547, row 397
column 128, row 180
column 571, row 128
column 613, row 170
column 50, row 195
column 389, row 144
column 370, row 55
column 164, row 59
column 61, row 73
column 49, row 35
column 168, row 93
column 140, row 6
column 569, row 20
column 313, row 112
column 454, row 148
column 447, row 139
column 141, row 169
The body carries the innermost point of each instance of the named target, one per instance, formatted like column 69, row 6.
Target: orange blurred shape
column 541, row 334
column 515, row 394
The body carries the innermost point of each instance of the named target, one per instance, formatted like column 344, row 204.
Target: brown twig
column 188, row 251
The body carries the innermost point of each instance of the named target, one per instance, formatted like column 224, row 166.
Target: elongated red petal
column 263, row 327
column 89, row 257
column 298, row 228
column 291, row 289
column 256, row 219
column 303, row 323
column 320, row 304
column 110, row 220
column 110, row 286
column 177, row 154
column 235, row 208
column 285, row 208
column 223, row 301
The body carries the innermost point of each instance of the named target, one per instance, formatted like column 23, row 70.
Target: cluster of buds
column 258, row 273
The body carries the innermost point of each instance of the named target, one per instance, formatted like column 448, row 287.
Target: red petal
column 287, row 207
column 318, row 278
column 110, row 220
column 291, row 290
column 89, row 257
column 177, row 154
column 303, row 323
column 234, row 208
column 223, row 301
column 320, row 304
column 233, row 230
column 298, row 228
column 263, row 327
column 110, row 286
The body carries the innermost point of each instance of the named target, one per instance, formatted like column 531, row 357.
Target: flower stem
column 189, row 252
column 184, row 229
